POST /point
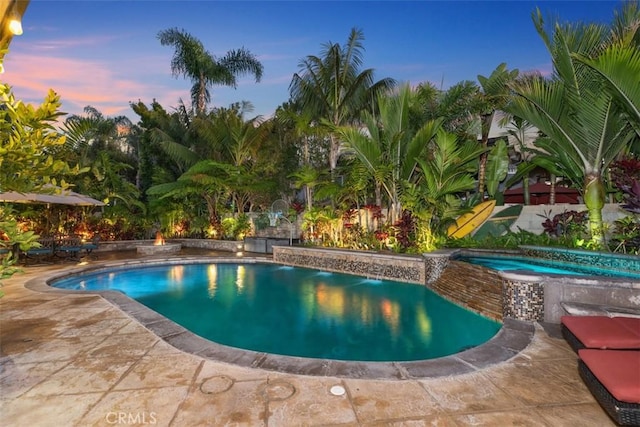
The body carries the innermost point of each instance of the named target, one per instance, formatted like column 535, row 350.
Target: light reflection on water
column 296, row 311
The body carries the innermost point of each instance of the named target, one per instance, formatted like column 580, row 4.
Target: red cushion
column 631, row 323
column 605, row 332
column 617, row 370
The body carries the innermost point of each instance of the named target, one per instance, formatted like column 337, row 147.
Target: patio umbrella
column 62, row 197
column 65, row 197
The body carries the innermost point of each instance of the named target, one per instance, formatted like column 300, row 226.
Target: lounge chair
column 68, row 247
column 613, row 377
column 601, row 332
column 90, row 246
column 43, row 253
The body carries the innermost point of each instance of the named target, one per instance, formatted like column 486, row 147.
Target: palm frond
column 180, row 154
column 619, row 66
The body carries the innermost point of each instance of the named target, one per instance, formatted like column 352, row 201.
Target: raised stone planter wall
column 263, row 245
column 122, row 245
column 165, row 249
column 214, row 245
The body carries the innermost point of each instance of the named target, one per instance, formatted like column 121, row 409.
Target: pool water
column 298, row 311
column 543, row 266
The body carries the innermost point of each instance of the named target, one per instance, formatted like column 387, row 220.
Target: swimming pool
column 298, row 311
column 542, row 266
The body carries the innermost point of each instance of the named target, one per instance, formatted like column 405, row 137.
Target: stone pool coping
column 513, row 337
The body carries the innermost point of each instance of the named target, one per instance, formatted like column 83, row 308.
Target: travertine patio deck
column 78, row 360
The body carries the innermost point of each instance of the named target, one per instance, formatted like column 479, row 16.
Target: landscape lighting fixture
column 15, row 24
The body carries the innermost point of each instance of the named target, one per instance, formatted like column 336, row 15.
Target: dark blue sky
column 106, row 54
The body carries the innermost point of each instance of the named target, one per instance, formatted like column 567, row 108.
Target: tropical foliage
column 582, row 123
column 27, row 137
column 334, row 89
column 366, row 163
column 387, row 147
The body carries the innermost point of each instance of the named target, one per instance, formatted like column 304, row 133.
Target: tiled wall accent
column 522, row 299
column 471, row 286
column 405, row 268
column 435, row 264
column 591, row 258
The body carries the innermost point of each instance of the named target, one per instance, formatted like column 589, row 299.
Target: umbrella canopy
column 65, row 197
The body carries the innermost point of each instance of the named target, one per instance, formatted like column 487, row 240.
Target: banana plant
column 497, row 167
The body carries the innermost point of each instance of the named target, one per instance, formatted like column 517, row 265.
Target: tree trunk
column 552, row 189
column 594, row 198
column 202, row 89
column 334, row 151
column 485, row 122
column 525, row 190
column 308, row 195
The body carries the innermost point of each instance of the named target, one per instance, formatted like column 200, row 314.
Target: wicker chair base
column 623, row 413
column 571, row 339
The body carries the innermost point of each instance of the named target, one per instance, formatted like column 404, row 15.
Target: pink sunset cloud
column 88, row 82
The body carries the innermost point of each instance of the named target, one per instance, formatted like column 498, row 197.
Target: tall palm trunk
column 486, row 121
column 525, row 190
column 334, row 154
column 594, row 199
column 202, row 93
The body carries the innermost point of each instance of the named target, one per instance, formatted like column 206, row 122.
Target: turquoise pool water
column 298, row 311
column 542, row 266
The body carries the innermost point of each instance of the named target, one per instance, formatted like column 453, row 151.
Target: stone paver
column 77, row 360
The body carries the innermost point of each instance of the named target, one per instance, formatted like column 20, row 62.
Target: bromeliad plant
column 625, row 177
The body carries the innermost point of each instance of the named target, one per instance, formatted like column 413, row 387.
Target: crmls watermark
column 131, row 417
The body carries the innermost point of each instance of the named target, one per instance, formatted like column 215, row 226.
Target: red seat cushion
column 605, row 332
column 631, row 323
column 617, row 370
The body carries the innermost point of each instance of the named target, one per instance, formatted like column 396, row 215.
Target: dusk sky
column 106, row 53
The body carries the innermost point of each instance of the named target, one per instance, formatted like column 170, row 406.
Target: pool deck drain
column 70, row 359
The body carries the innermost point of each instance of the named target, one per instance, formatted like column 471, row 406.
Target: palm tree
column 519, row 130
column 194, row 62
column 388, row 149
column 92, row 132
column 334, row 89
column 619, row 64
column 494, row 97
column 583, row 130
column 433, row 197
column 307, row 177
column 457, row 106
